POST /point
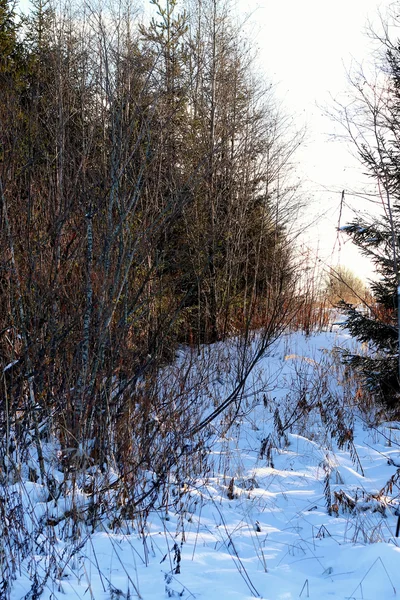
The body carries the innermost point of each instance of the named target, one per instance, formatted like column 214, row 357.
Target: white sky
column 306, row 47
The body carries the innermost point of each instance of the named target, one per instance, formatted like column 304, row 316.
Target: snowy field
column 299, row 502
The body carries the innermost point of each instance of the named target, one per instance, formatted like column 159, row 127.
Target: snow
column 353, row 227
column 10, row 365
column 258, row 524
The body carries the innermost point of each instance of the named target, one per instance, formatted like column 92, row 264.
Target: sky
column 307, row 48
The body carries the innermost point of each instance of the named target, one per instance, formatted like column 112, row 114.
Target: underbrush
column 159, row 472
column 136, row 455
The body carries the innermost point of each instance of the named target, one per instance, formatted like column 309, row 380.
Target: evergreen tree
column 374, row 127
column 376, row 325
column 9, row 46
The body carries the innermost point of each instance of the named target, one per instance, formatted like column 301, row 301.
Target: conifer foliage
column 374, row 126
column 376, row 324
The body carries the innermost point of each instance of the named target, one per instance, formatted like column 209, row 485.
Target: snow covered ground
column 292, row 505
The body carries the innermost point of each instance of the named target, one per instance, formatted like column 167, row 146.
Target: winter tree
column 372, row 121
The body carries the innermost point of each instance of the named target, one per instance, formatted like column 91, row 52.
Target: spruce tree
column 376, row 325
column 374, row 127
column 9, row 46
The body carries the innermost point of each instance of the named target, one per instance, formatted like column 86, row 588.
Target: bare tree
column 145, row 205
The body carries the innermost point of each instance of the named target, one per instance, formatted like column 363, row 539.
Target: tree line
column 145, row 198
